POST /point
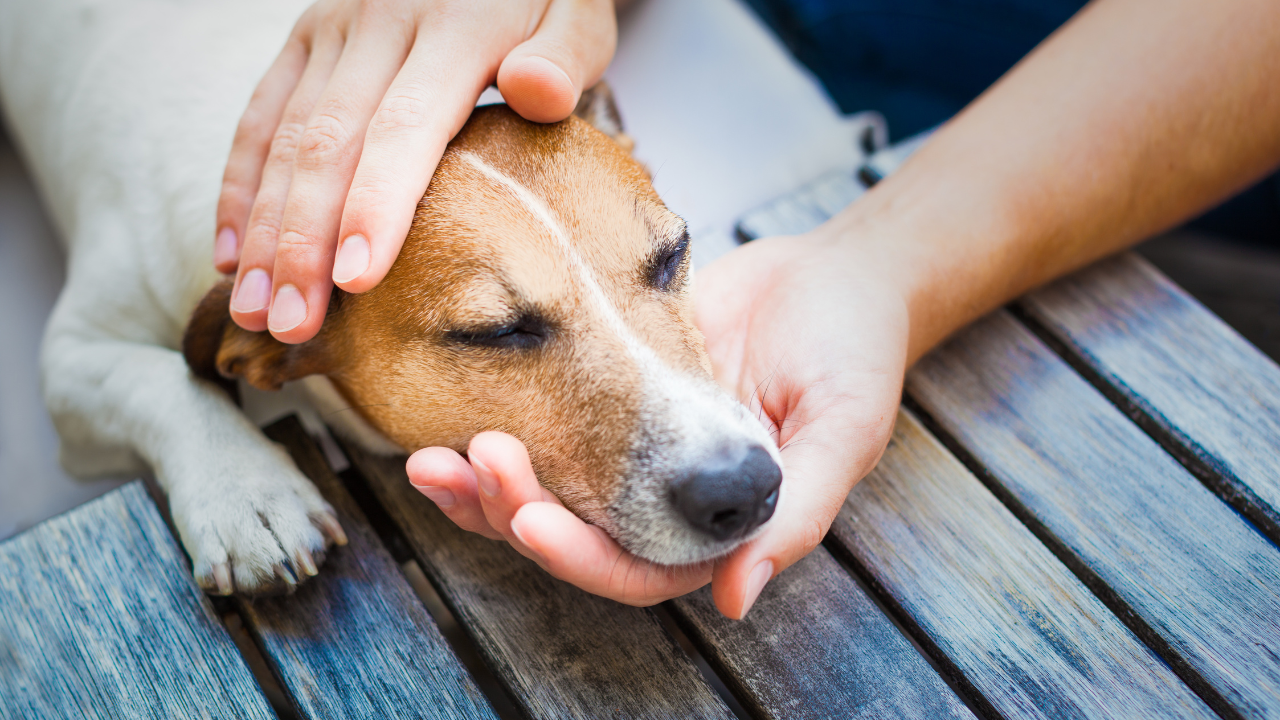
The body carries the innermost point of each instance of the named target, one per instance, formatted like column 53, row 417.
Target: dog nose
column 731, row 494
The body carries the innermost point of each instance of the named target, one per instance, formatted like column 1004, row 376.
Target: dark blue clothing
column 920, row 61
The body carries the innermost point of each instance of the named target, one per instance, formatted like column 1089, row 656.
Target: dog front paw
column 259, row 537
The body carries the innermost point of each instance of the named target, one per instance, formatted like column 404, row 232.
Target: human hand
column 796, row 327
column 345, row 130
column 494, row 492
column 811, row 332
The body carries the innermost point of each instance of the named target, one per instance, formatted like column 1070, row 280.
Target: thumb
column 820, row 466
column 543, row 77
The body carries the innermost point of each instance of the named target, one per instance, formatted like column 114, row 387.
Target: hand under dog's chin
column 669, row 540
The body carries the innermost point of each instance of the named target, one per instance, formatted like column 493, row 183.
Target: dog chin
column 691, row 552
column 662, row 537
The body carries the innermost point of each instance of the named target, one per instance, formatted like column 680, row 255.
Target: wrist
column 930, row 244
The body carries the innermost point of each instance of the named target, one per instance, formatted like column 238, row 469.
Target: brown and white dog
column 544, row 290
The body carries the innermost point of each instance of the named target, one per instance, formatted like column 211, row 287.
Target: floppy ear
column 220, row 351
column 597, row 107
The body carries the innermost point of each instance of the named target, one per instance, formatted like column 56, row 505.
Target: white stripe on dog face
column 640, row 352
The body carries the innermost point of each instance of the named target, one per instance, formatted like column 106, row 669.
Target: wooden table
column 1077, row 517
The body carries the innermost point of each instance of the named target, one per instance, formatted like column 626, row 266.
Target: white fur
column 338, row 414
column 125, row 113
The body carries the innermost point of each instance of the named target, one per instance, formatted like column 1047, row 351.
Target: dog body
column 544, row 290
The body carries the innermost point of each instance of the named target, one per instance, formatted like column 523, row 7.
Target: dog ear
column 220, row 351
column 597, row 107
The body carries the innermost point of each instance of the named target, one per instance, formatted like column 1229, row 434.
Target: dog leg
column 250, row 521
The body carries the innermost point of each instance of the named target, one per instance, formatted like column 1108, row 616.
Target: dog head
column 544, row 290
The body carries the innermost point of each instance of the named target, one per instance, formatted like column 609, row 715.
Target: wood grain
column 99, row 618
column 1205, row 393
column 355, row 641
column 560, row 652
column 816, row 646
column 1197, row 582
column 1019, row 632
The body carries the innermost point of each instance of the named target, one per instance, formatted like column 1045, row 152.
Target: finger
column 505, row 479
column 322, row 170
column 820, row 466
column 426, row 105
column 543, row 77
column 249, row 151
column 585, row 556
column 251, row 295
column 448, row 481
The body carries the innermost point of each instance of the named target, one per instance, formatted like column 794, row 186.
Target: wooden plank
column 816, row 646
column 1197, row 582
column 355, row 641
column 560, row 652
column 1206, row 394
column 99, row 618
column 1015, row 631
column 1019, row 633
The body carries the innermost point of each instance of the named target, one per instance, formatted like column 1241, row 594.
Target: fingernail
column 515, row 530
column 288, row 311
column 547, row 64
column 224, row 248
column 755, row 583
column 442, row 497
column 352, row 260
column 486, row 479
column 254, row 292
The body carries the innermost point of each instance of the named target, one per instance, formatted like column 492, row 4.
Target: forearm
column 1133, row 117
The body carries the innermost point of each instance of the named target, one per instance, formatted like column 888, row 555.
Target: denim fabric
column 920, row 61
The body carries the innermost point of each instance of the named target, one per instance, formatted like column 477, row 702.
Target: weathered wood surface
column 1207, row 394
column 1197, row 582
column 99, row 618
column 560, row 652
column 355, row 641
column 816, row 646
column 1019, row 633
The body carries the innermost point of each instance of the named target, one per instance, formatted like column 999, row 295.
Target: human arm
column 345, row 129
column 1133, row 117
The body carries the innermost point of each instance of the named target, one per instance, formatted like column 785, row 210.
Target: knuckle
column 371, row 195
column 252, row 122
column 284, row 144
column 400, row 112
column 326, row 140
column 236, row 192
column 296, row 247
column 811, row 534
column 264, row 224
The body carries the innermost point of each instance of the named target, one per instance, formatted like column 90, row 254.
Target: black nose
column 730, row 494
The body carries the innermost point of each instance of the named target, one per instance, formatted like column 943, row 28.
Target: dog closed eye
column 527, row 331
column 666, row 267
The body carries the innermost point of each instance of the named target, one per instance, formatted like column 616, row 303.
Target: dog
column 544, row 290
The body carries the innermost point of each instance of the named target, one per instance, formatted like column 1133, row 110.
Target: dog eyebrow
column 675, row 239
column 537, row 207
column 670, row 230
